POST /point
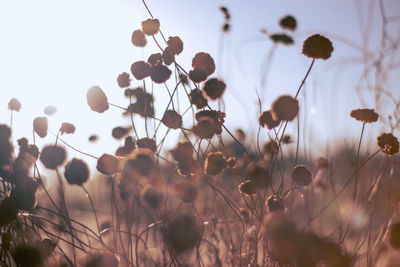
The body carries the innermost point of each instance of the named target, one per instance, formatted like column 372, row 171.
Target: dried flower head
column 182, row 232
column 172, row 119
column 168, row 56
column 226, row 27
column 258, row 174
column 187, row 166
column 40, row 126
column 288, row 22
column 152, row 196
column 67, row 128
column 203, row 66
column 215, row 163
column 97, row 99
column 141, row 163
column 226, row 13
column 205, row 128
column 281, row 38
column 124, row 80
column 176, row 44
column 285, row 108
column 266, row 120
column 76, row 172
column 147, row 143
column 182, row 151
column 120, row 132
column 203, row 61
column 151, row 26
column 160, row 73
column 198, row 75
column 186, row 191
column 214, row 88
column 128, row 147
column 138, row 38
column 140, row 70
column 388, row 143
column 93, row 138
column 317, row 46
column 155, row 59
column 248, row 187
column 301, row 175
column 107, row 164
column 197, row 98
column 52, row 156
column 217, row 116
column 274, row 203
column 364, row 115
column 14, row 104
column 50, row 110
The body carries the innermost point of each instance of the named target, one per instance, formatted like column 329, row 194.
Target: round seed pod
column 14, row 105
column 176, row 44
column 215, row 163
column 52, row 156
column 301, row 175
column 50, row 110
column 107, row 164
column 150, row 26
column 288, row 22
column 160, row 73
column 172, row 119
column 140, row 70
column 248, row 187
column 214, row 88
column 274, row 203
column 139, row 39
column 147, row 143
column 317, row 46
column 182, row 151
column 40, row 126
column 124, row 80
column 97, row 99
column 197, row 98
column 76, row 172
column 142, row 163
column 67, row 128
column 388, row 143
column 285, row 108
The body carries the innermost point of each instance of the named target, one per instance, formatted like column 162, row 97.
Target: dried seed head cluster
column 364, row 115
column 76, row 172
column 285, row 108
column 388, row 143
column 318, row 47
column 301, row 175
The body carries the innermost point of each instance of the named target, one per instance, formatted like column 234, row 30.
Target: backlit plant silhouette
column 211, row 200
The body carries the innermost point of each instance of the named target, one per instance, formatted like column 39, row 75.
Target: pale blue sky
column 52, row 51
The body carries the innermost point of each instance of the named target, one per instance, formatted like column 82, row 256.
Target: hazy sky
column 52, row 51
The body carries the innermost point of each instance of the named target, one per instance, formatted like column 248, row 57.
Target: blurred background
column 52, row 52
